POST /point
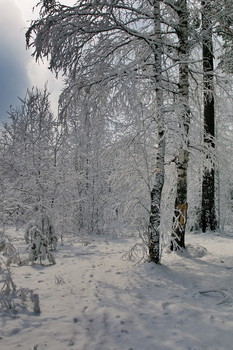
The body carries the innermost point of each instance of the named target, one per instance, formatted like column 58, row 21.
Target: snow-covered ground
column 96, row 299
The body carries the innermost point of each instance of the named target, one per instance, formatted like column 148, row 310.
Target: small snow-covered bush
column 8, row 287
column 44, row 224
column 47, row 229
column 12, row 299
column 38, row 246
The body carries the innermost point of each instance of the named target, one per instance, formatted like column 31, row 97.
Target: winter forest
column 120, row 207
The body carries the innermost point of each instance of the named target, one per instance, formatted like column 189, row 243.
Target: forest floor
column 94, row 298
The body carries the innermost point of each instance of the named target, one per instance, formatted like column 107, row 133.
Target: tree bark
column 181, row 205
column 208, row 212
column 157, row 186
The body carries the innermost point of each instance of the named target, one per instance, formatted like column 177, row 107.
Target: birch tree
column 181, row 205
column 89, row 141
column 27, row 150
column 157, row 185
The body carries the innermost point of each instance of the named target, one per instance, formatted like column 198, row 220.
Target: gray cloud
column 14, row 78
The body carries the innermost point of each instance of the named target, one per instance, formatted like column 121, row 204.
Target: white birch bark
column 157, row 186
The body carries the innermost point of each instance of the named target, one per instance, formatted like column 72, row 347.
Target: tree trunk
column 181, row 205
column 208, row 213
column 157, row 186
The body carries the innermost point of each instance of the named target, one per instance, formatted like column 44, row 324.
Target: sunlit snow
column 94, row 298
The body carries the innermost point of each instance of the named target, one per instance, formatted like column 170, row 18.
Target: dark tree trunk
column 208, row 212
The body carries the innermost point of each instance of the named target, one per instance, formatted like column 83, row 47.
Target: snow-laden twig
column 137, row 253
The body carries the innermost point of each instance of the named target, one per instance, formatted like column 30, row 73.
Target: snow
column 94, row 298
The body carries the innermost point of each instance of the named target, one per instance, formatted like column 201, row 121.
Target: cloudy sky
column 18, row 70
